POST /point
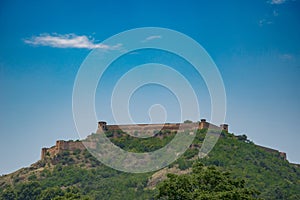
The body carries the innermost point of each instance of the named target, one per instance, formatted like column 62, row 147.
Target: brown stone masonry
column 102, row 126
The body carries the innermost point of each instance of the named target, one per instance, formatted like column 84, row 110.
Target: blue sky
column 255, row 45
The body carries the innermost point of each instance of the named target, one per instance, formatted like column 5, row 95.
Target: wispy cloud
column 152, row 37
column 263, row 22
column 286, row 56
column 277, row 2
column 68, row 41
column 270, row 18
column 275, row 13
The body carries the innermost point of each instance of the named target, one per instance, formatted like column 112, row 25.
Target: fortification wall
column 102, row 126
column 152, row 127
column 60, row 147
column 143, row 127
column 281, row 154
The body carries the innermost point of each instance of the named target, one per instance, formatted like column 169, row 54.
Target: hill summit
column 68, row 171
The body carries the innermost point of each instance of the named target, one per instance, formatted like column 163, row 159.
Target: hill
column 71, row 172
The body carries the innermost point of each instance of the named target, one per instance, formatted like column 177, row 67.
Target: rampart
column 62, row 146
column 102, row 126
column 282, row 155
column 150, row 128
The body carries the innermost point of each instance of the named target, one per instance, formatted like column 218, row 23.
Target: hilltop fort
column 103, row 126
column 203, row 124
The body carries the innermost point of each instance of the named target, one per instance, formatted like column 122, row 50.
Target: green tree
column 51, row 193
column 8, row 194
column 30, row 191
column 204, row 183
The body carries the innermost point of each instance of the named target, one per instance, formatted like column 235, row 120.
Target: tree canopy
column 204, row 183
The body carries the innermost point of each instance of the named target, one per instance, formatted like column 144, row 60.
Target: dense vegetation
column 76, row 181
column 78, row 175
column 206, row 183
column 269, row 173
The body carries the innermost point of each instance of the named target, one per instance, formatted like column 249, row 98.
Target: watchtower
column 44, row 152
column 102, row 125
column 203, row 124
column 224, row 127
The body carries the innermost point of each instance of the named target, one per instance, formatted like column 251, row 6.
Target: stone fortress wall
column 102, row 126
column 61, row 146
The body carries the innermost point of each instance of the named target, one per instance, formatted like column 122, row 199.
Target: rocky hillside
column 68, row 171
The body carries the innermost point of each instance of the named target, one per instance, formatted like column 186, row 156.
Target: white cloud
column 263, row 22
column 277, row 2
column 152, row 37
column 286, row 56
column 68, row 41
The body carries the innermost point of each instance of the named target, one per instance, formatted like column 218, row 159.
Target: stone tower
column 203, row 124
column 102, row 126
column 44, row 152
column 224, row 127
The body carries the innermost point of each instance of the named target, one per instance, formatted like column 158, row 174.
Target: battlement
column 61, row 146
column 203, row 124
